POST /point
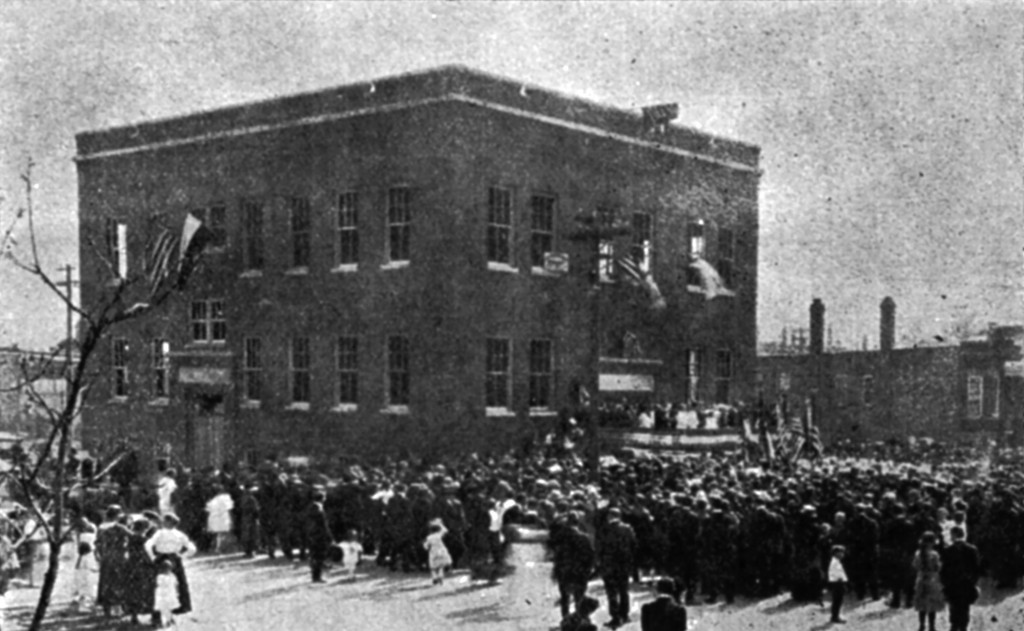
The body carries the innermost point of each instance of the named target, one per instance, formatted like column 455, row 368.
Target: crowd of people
column 709, row 528
column 626, row 414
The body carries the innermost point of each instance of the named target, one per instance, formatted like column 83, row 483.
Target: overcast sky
column 891, row 133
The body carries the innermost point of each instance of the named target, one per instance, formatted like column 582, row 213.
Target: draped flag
column 710, row 281
column 194, row 237
column 643, row 279
column 799, row 436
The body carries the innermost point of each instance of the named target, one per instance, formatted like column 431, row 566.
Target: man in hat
column 863, row 543
column 664, row 613
column 573, row 556
column 961, row 568
column 317, row 535
column 616, row 553
column 112, row 553
column 249, row 521
column 170, row 544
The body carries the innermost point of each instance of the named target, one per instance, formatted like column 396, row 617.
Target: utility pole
column 67, row 282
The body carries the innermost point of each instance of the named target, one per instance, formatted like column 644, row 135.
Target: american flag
column 638, row 277
column 799, row 437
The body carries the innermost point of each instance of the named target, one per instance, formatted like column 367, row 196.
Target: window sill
column 396, row 409
column 545, row 411
column 500, row 412
column 121, row 400
column 395, row 265
column 540, row 271
column 502, row 267
column 249, row 404
column 300, row 406
column 160, row 402
column 251, row 273
column 114, row 283
column 345, row 268
column 345, row 407
column 297, row 271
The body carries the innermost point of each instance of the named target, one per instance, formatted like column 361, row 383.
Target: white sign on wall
column 204, row 375
column 625, row 383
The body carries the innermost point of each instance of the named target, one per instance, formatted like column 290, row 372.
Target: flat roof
column 443, row 84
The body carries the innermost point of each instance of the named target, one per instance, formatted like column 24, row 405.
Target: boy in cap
column 170, row 544
column 837, row 582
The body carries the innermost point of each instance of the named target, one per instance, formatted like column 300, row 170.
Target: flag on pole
column 159, row 266
column 710, row 281
column 643, row 279
column 194, row 237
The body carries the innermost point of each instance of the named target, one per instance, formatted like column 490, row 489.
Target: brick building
column 388, row 267
column 965, row 392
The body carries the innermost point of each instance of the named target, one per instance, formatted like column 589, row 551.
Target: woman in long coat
column 112, row 554
column 140, row 572
column 928, row 599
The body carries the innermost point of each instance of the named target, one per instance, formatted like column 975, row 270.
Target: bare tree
column 40, row 474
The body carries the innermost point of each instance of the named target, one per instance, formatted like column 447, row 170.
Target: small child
column 166, row 598
column 837, row 581
column 579, row 620
column 352, row 554
column 438, row 557
column 86, row 566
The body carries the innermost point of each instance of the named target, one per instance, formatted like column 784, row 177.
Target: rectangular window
column 161, row 351
column 868, row 386
column 726, row 253
column 252, row 369
column 116, row 236
column 499, row 225
column 301, row 231
column 300, row 365
column 208, row 321
column 697, row 249
column 642, row 241
column 214, row 218
column 499, row 375
column 348, row 229
column 119, row 363
column 990, row 400
column 399, row 224
column 252, row 235
column 542, row 228
column 605, row 247
column 975, row 388
column 694, row 361
column 348, row 370
column 723, row 376
column 398, row 371
column 541, row 373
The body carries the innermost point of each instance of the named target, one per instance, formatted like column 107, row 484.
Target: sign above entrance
column 204, row 375
column 625, row 383
column 556, row 262
column 1014, row 369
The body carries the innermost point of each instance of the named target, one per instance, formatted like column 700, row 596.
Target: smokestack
column 887, row 325
column 817, row 326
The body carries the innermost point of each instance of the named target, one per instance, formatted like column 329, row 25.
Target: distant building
column 397, row 265
column 30, row 382
column 964, row 392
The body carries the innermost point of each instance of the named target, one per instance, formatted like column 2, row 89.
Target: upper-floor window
column 161, row 357
column 301, row 226
column 868, row 385
column 116, row 237
column 605, row 247
column 252, row 369
column 542, row 228
column 726, row 254
column 499, row 373
column 347, row 252
column 398, row 371
column 119, row 365
column 214, row 218
column 252, row 235
column 697, row 248
column 975, row 391
column 208, row 321
column 642, row 241
column 499, row 225
column 348, row 370
column 399, row 224
column 723, row 376
column 541, row 373
column 694, row 366
column 300, row 370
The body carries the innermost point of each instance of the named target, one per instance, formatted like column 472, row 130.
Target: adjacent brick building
column 388, row 269
column 969, row 391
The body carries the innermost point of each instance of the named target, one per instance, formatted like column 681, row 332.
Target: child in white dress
column 166, row 597
column 352, row 554
column 86, row 567
column 438, row 557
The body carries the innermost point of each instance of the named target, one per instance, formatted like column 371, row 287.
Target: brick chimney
column 817, row 326
column 887, row 325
